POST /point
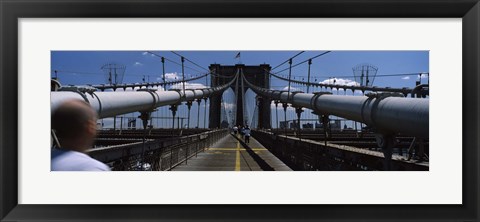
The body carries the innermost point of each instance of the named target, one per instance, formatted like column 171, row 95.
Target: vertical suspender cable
column 199, row 101
column 243, row 102
column 289, row 77
column 183, row 75
column 236, row 97
column 164, row 80
column 205, row 110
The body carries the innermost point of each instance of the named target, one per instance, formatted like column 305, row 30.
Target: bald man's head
column 73, row 120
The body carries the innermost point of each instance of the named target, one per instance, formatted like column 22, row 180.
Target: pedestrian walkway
column 232, row 154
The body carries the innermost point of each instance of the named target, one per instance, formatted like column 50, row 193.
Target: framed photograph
column 37, row 34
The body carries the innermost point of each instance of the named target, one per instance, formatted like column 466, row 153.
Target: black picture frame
column 12, row 10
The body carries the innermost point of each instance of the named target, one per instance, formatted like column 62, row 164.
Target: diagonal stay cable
column 305, row 61
column 167, row 59
column 288, row 60
column 194, row 63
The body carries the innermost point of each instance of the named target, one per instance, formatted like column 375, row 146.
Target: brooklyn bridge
column 196, row 122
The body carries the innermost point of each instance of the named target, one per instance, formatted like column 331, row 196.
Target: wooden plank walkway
column 232, row 154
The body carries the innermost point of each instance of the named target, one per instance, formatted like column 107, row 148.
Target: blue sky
column 84, row 67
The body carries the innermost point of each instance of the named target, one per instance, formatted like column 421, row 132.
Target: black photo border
column 12, row 10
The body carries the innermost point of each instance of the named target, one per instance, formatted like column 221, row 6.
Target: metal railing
column 306, row 155
column 156, row 155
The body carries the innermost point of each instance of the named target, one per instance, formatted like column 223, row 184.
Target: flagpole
column 239, row 58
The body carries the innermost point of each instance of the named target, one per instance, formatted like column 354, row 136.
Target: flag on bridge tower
column 238, row 57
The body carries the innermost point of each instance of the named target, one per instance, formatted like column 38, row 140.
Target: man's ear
column 92, row 127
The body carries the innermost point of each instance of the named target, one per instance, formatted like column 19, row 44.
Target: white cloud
column 292, row 89
column 172, row 76
column 130, row 89
column 340, row 81
column 137, row 64
column 147, row 53
column 159, row 88
column 424, row 75
column 188, row 86
column 406, row 78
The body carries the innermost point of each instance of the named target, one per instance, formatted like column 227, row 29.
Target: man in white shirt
column 74, row 124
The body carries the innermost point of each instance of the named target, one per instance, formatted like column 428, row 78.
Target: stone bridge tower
column 257, row 75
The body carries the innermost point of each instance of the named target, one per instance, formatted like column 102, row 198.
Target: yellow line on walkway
column 237, row 158
column 234, row 149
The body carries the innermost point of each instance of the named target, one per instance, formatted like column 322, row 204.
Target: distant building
column 336, row 125
column 293, row 125
column 132, row 123
column 307, row 126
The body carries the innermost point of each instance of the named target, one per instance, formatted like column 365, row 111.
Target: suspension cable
column 353, row 87
column 305, row 61
column 167, row 59
column 189, row 60
column 288, row 60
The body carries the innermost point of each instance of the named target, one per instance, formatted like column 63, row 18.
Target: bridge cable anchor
column 144, row 116
column 199, row 101
column 276, row 111
column 189, row 106
column 173, row 108
column 386, row 141
column 326, row 127
column 299, row 112
column 285, row 106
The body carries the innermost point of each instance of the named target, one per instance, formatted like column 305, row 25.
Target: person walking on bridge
column 242, row 132
column 247, row 134
column 74, row 130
